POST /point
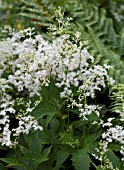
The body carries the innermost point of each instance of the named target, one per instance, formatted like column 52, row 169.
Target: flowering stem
column 84, row 101
column 94, row 164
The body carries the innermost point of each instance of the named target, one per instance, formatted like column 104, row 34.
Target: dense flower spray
column 28, row 62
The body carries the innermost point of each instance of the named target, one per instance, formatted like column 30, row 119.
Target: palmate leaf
column 51, row 103
column 90, row 142
column 81, row 159
column 62, row 155
column 33, row 160
column 32, row 151
column 44, row 156
column 49, row 106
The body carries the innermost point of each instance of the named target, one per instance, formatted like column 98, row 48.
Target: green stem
column 94, row 164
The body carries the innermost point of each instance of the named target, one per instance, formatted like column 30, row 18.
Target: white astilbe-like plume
column 31, row 61
column 115, row 133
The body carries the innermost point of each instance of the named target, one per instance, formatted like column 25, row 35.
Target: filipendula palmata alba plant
column 52, row 84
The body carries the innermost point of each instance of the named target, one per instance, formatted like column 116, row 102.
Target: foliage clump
column 54, row 86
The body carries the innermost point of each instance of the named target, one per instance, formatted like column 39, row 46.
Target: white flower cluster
column 31, row 62
column 105, row 162
column 89, row 109
column 34, row 60
column 122, row 152
column 24, row 125
column 115, row 134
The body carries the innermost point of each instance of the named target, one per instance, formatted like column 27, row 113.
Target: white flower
column 32, row 62
column 114, row 133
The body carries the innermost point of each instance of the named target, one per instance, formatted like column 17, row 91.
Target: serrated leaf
column 34, row 152
column 116, row 162
column 8, row 160
column 114, row 146
column 62, row 155
column 91, row 143
column 55, row 127
column 24, row 151
column 81, row 160
column 44, row 155
column 35, row 145
column 17, row 165
column 92, row 137
column 47, row 107
column 11, row 162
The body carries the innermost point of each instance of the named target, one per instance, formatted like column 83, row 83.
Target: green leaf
column 44, row 155
column 81, row 160
column 99, row 168
column 54, row 90
column 91, row 142
column 2, row 167
column 114, row 146
column 24, row 151
column 47, row 107
column 55, row 127
column 62, row 155
column 11, row 162
column 35, row 146
column 34, row 151
column 116, row 162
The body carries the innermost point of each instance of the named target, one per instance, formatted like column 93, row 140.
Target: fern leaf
column 90, row 15
column 112, row 37
column 32, row 10
column 121, row 44
column 101, row 20
column 121, row 78
column 30, row 3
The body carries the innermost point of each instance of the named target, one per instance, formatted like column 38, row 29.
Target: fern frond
column 118, row 99
column 39, row 14
column 90, row 15
column 121, row 43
